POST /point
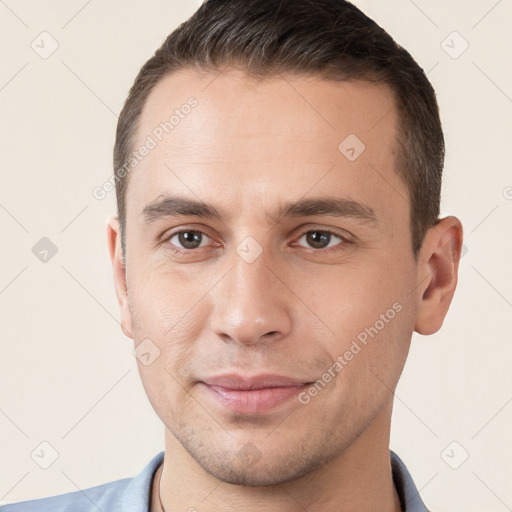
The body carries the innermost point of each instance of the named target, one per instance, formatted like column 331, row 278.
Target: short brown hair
column 331, row 39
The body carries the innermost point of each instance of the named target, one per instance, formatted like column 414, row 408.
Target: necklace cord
column 159, row 488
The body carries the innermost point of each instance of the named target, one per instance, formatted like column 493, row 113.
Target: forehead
column 225, row 136
column 231, row 103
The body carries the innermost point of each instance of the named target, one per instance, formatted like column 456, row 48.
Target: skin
column 248, row 147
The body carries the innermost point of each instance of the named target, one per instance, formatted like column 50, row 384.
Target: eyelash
column 177, row 250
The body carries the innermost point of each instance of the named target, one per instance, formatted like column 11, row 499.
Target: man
column 277, row 241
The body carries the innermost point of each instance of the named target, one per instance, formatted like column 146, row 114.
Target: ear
column 438, row 266
column 119, row 271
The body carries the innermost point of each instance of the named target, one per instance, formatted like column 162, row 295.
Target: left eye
column 320, row 239
column 189, row 239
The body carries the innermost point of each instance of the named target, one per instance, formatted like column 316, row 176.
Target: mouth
column 252, row 395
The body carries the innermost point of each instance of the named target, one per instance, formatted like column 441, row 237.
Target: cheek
column 348, row 297
column 368, row 354
column 167, row 317
column 365, row 305
column 168, row 333
column 164, row 303
column 167, row 392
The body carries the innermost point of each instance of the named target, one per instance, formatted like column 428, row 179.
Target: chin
column 252, row 477
column 248, row 466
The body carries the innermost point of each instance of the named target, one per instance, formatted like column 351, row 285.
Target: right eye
column 188, row 240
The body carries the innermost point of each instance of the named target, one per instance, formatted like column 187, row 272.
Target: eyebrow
column 166, row 206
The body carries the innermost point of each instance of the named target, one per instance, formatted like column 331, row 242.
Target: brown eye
column 189, row 239
column 318, row 239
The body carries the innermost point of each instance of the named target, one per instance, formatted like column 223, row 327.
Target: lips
column 252, row 395
column 237, row 382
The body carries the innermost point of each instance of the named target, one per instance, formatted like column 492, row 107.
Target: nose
column 251, row 304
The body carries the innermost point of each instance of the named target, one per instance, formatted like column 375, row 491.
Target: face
column 269, row 269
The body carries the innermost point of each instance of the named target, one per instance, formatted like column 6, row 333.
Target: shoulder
column 125, row 495
column 408, row 493
column 106, row 497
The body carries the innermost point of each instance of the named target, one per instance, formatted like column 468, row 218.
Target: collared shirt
column 133, row 494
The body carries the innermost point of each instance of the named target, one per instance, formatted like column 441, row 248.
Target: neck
column 359, row 479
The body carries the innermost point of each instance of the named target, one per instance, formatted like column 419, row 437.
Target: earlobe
column 119, row 274
column 437, row 274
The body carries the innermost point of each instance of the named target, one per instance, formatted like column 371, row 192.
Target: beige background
column 67, row 373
